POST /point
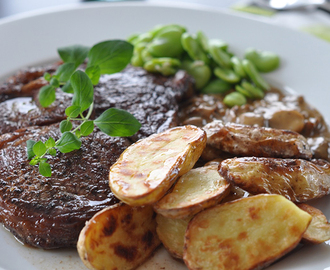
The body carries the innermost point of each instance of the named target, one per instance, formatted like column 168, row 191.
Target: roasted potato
column 318, row 230
column 147, row 169
column 120, row 237
column 196, row 190
column 244, row 140
column 248, row 233
column 171, row 233
column 297, row 179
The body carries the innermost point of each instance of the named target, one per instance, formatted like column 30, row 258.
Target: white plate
column 31, row 39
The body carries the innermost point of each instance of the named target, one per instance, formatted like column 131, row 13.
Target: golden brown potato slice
column 194, row 191
column 318, row 230
column 147, row 169
column 248, row 233
column 120, row 237
column 171, row 233
column 235, row 193
column 296, row 179
column 244, row 140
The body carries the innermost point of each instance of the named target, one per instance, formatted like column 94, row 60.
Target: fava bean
column 146, row 55
column 144, row 37
column 193, row 48
column 137, row 59
column 243, row 91
column 254, row 75
column 234, row 98
column 164, row 65
column 199, row 71
column 159, row 29
column 256, row 92
column 263, row 60
column 228, row 75
column 218, row 53
column 202, row 40
column 237, row 66
column 166, row 44
column 216, row 86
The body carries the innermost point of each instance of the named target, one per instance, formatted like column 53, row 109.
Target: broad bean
column 254, row 75
column 226, row 74
column 164, row 65
column 234, row 99
column 199, row 71
column 167, row 43
column 264, row 61
column 219, row 55
column 216, row 86
column 193, row 48
column 237, row 66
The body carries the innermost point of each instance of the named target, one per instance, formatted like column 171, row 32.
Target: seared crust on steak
column 50, row 212
column 244, row 140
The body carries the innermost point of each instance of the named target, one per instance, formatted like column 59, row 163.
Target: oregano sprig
column 103, row 58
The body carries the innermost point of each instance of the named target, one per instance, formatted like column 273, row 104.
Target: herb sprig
column 107, row 57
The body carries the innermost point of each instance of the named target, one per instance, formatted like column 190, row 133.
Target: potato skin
column 296, row 179
column 318, row 230
column 245, row 234
column 244, row 140
column 194, row 191
column 146, row 170
column 119, row 237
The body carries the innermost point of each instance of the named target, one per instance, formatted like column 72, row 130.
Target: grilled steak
column 50, row 212
column 152, row 99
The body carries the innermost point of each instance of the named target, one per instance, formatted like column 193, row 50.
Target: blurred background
column 311, row 20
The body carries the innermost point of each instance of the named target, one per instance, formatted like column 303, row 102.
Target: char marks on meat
column 50, row 212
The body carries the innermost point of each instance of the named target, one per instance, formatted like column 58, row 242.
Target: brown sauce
column 275, row 110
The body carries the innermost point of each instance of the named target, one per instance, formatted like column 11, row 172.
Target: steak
column 50, row 212
column 153, row 99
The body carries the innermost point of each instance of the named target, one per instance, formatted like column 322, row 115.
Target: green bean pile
column 168, row 48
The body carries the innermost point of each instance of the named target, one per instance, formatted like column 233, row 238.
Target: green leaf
column 67, row 88
column 116, row 122
column 54, row 82
column 39, row 148
column 94, row 73
column 65, row 71
column 50, row 143
column 73, row 111
column 47, row 95
column 68, row 142
column 65, row 125
column 78, row 133
column 87, row 128
column 111, row 56
column 73, row 54
column 34, row 161
column 83, row 90
column 47, row 76
column 44, row 169
column 52, row 152
column 29, row 148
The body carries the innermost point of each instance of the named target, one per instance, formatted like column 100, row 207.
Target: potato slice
column 298, row 180
column 244, row 140
column 147, row 169
column 118, row 237
column 319, row 229
column 248, row 233
column 196, row 190
column 171, row 233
